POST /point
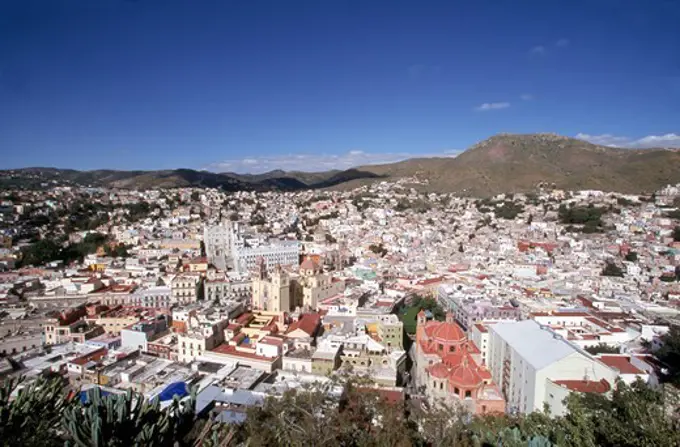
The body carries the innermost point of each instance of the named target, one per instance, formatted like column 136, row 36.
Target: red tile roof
column 585, row 386
column 308, row 264
column 448, row 332
column 271, row 341
column 389, row 396
column 620, row 362
column 231, row 350
column 481, row 328
column 308, row 323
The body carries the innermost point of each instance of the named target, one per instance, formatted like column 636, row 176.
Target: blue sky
column 252, row 85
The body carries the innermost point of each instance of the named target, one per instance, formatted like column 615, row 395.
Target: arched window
column 468, row 393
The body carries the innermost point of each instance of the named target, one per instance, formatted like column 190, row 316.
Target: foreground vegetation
column 43, row 415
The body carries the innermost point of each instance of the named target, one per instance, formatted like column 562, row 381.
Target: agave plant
column 30, row 413
column 127, row 420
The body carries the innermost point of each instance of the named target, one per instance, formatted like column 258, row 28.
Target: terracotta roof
column 244, row 318
column 585, row 386
column 391, row 396
column 620, row 362
column 481, row 328
column 230, row 350
column 484, row 373
column 308, row 264
column 465, row 375
column 308, row 323
column 426, row 282
column 439, row 370
column 448, row 332
column 460, row 370
column 271, row 341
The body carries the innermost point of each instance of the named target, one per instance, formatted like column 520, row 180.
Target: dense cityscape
column 228, row 302
column 354, row 223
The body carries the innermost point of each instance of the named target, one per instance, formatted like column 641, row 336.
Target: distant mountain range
column 502, row 163
column 177, row 178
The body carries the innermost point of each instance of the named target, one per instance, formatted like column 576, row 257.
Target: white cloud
column 305, row 162
column 667, row 140
column 604, row 139
column 670, row 140
column 526, row 97
column 492, row 106
column 562, row 43
column 318, row 162
column 538, row 50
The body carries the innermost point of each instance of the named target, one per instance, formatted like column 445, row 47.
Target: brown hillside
column 517, row 163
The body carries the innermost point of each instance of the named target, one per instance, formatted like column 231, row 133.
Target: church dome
column 448, row 332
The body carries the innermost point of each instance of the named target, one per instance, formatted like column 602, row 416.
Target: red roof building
column 449, row 366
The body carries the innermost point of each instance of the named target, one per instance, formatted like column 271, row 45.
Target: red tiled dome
column 448, row 332
column 308, row 264
column 465, row 375
column 452, row 360
column 439, row 370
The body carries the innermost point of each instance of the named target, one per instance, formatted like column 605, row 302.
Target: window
column 468, row 393
column 441, row 347
column 456, row 391
column 452, row 349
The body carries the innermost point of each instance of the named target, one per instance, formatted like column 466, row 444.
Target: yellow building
column 97, row 267
column 271, row 292
column 314, row 286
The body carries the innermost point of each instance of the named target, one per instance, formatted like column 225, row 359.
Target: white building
column 533, row 365
column 583, row 329
column 227, row 246
column 160, row 296
column 217, row 240
column 274, row 253
column 185, row 287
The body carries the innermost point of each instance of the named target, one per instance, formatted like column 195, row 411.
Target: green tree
column 676, row 234
column 631, row 256
column 431, row 304
column 508, row 210
column 602, row 348
column 634, row 416
column 669, row 355
column 378, row 249
column 40, row 252
column 611, row 269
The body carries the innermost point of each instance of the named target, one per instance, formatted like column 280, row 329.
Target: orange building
column 448, row 367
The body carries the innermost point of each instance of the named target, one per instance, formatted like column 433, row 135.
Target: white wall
column 133, row 339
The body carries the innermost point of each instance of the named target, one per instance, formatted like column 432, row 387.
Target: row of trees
column 43, row 415
column 48, row 250
column 590, row 217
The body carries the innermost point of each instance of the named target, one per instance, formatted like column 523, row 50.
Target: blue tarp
column 84, row 398
column 178, row 389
